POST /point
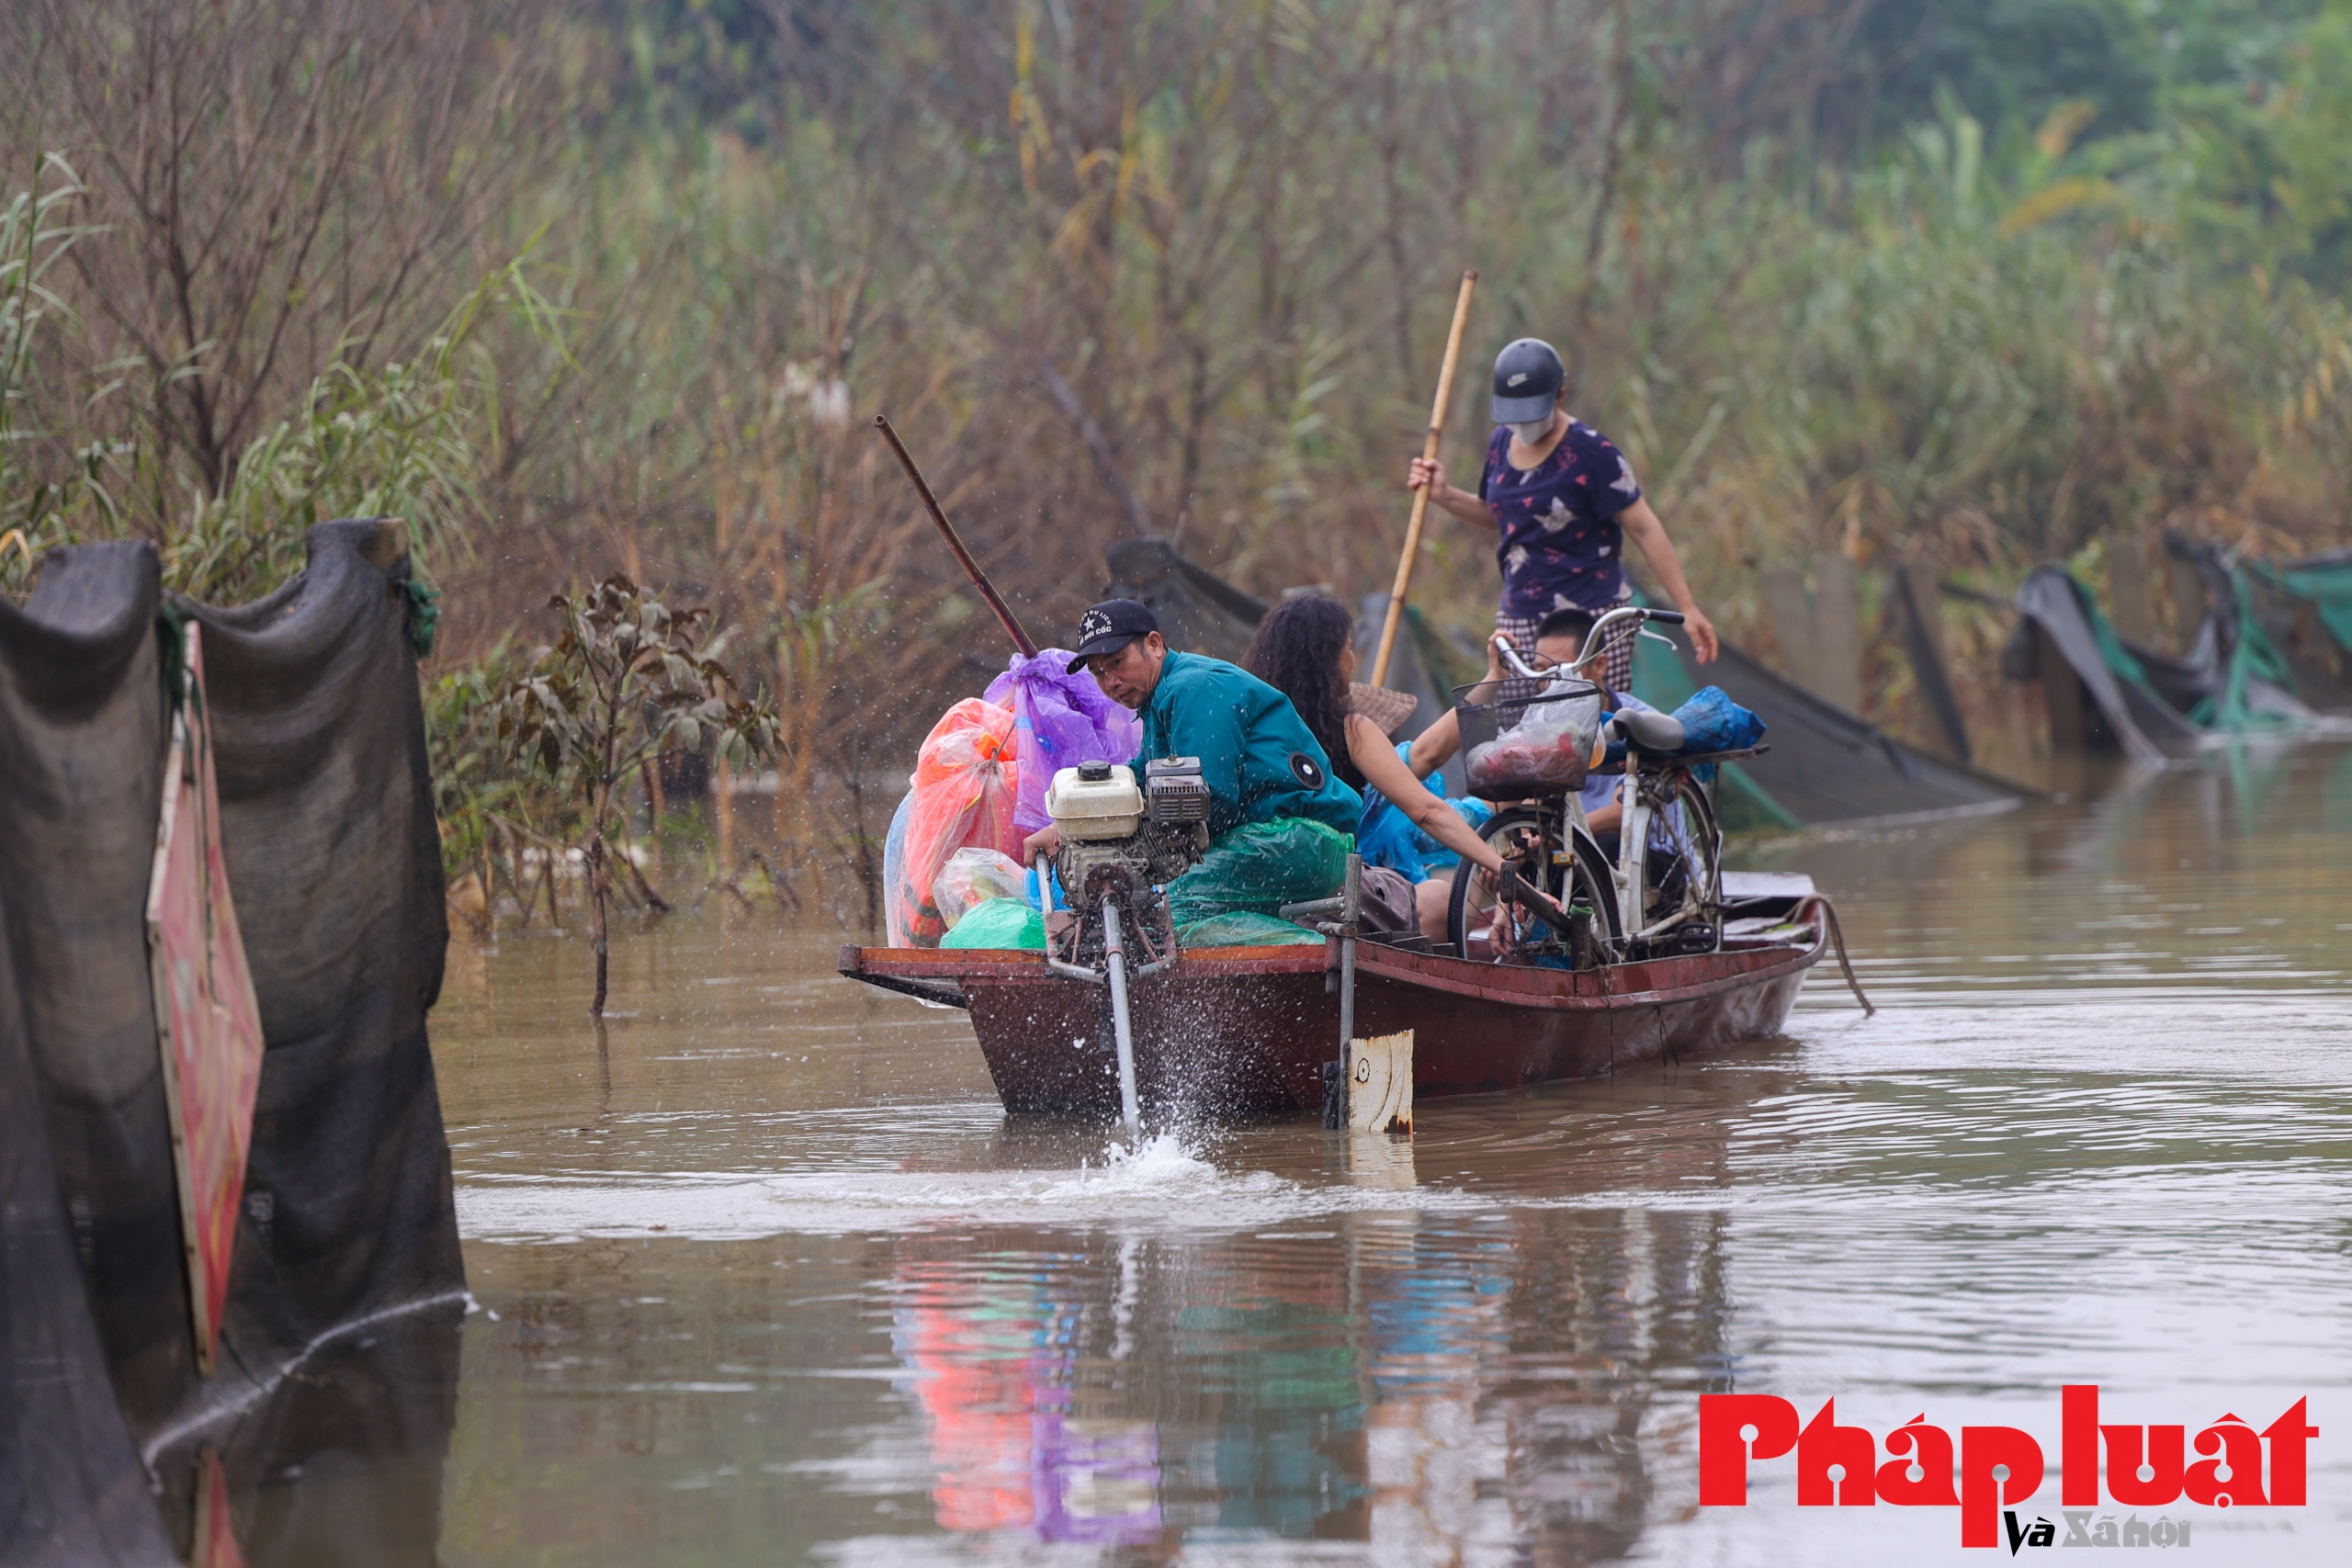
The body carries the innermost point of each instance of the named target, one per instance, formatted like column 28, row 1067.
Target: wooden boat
column 1245, row 1031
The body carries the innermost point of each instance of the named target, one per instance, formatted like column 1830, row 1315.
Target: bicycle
column 1661, row 894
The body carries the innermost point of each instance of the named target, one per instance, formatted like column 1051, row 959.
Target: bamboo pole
column 722, row 801
column 947, row 530
column 1421, row 496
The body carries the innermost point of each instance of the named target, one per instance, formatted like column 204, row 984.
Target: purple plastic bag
column 1061, row 720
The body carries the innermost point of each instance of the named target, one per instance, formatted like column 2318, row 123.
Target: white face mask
column 1533, row 432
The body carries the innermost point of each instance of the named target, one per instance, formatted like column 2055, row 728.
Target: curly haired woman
column 1305, row 649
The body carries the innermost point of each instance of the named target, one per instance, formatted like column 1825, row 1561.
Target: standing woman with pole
column 1562, row 501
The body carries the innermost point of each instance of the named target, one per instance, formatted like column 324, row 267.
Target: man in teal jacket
column 1281, row 825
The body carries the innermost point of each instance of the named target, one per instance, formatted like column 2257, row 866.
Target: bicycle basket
column 1530, row 738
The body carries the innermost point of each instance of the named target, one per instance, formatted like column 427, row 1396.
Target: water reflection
column 342, row 1463
column 993, row 1355
column 1422, row 1387
column 775, row 1279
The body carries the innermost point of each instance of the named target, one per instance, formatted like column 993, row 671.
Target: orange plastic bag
column 965, row 782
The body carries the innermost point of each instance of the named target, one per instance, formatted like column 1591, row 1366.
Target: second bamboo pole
column 1421, row 496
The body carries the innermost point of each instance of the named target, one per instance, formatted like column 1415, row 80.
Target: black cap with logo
column 1528, row 379
column 1110, row 626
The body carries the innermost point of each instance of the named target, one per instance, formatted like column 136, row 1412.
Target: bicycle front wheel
column 1481, row 927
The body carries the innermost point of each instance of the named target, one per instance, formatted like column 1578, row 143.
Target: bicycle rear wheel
column 1481, row 927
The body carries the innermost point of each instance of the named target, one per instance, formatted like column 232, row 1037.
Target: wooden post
column 1421, row 496
column 1921, row 602
column 722, row 804
column 1335, row 1082
column 1837, row 631
column 1789, row 609
column 2061, row 695
column 2127, row 592
column 2187, row 587
column 1927, row 602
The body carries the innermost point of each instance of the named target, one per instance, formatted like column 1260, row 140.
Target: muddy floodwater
column 767, row 1276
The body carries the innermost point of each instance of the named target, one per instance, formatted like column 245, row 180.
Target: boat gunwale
column 1528, row 987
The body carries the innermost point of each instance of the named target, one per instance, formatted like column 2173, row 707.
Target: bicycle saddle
column 1657, row 734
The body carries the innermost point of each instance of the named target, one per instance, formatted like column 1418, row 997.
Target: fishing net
column 1198, row 611
column 2325, row 584
column 1426, row 662
column 334, row 865
column 2306, row 605
column 2138, row 715
column 2149, row 704
column 1825, row 765
column 2251, row 662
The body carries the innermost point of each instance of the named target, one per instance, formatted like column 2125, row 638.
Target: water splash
column 1167, row 1183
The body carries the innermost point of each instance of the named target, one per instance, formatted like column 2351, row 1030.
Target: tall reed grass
column 1150, row 265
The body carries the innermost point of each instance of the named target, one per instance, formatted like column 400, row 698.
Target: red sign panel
column 207, row 1017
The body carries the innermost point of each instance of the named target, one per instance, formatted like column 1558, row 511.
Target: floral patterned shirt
column 1561, row 545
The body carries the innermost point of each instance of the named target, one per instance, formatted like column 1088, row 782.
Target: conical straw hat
column 1386, row 709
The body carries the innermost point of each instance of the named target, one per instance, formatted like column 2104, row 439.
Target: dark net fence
column 328, row 831
column 1825, row 765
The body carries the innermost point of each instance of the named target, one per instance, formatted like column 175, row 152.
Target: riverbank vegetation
column 617, row 285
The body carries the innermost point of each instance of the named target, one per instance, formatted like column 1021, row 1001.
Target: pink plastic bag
column 965, row 783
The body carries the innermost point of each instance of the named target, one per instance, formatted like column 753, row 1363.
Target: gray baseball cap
column 1528, row 379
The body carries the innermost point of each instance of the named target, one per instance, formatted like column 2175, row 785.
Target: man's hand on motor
column 1042, row 844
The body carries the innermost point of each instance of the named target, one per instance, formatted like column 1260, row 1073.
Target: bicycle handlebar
column 1594, row 641
column 1600, row 636
column 1510, row 651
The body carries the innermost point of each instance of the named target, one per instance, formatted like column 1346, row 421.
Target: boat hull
column 1246, row 1031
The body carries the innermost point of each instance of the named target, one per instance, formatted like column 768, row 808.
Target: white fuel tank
column 1109, row 807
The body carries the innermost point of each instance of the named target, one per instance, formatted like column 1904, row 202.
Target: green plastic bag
column 997, row 923
column 1245, row 930
column 1259, row 867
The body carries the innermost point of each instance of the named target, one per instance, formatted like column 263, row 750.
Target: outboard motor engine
column 1116, row 835
column 1121, row 846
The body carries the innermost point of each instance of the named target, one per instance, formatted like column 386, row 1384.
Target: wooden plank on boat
column 1380, row 1083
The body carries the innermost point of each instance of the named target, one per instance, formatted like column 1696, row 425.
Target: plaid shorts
column 1616, row 663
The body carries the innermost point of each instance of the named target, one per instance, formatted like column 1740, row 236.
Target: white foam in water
column 1161, row 1185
